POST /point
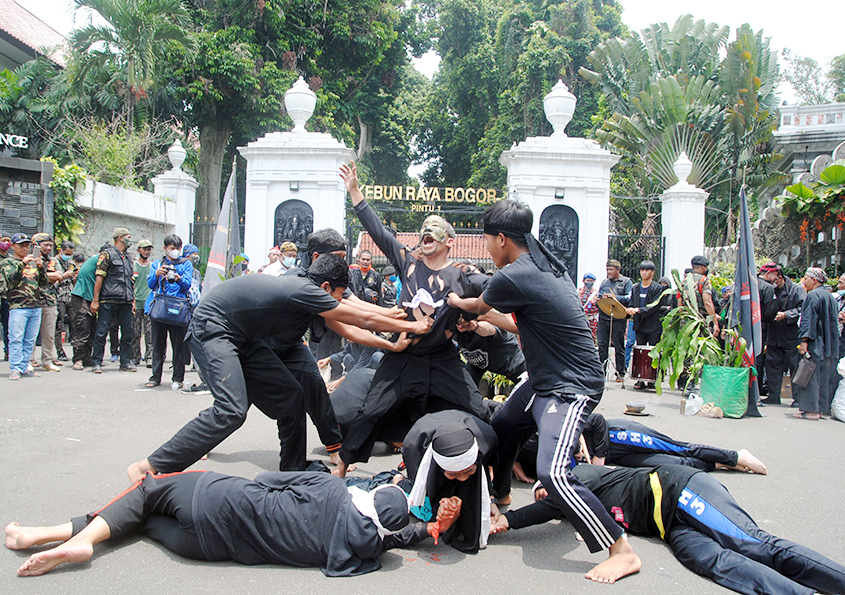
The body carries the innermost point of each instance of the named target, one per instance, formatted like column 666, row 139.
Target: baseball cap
column 120, row 231
column 42, row 237
column 20, row 238
column 143, row 243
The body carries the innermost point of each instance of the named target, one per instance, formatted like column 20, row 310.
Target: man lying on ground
column 298, row 519
column 703, row 525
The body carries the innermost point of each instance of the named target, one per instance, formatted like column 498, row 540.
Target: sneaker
column 114, row 357
column 63, row 357
column 97, row 369
column 14, row 375
column 130, row 367
column 197, row 389
column 149, row 363
column 51, row 368
column 175, row 386
column 31, row 374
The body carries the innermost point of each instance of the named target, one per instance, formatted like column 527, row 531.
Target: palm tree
column 133, row 37
column 688, row 88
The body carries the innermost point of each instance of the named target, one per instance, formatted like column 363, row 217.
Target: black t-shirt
column 415, row 275
column 499, row 353
column 254, row 307
column 559, row 351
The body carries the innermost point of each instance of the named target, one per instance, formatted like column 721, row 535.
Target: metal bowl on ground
column 634, row 407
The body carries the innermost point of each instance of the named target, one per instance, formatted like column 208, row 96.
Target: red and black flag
column 745, row 305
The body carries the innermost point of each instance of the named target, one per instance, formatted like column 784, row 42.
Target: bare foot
column 520, row 473
column 136, row 471
column 43, row 562
column 335, row 459
column 506, row 500
column 751, row 463
column 19, row 538
column 621, row 562
column 340, row 469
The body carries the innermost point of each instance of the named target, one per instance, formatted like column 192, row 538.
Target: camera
column 171, row 272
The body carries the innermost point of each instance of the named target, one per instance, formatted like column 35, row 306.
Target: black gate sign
column 559, row 233
column 293, row 222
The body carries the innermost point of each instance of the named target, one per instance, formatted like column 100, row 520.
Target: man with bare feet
column 429, row 375
column 564, row 372
column 227, row 337
column 626, row 443
column 703, row 525
column 300, row 519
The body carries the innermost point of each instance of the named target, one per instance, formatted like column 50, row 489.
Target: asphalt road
column 66, row 439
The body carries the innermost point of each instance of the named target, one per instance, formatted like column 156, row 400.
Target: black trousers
column 121, row 313
column 780, row 360
column 159, row 505
column 647, row 338
column 714, row 537
column 635, row 445
column 240, row 376
column 177, row 342
column 84, row 325
column 62, row 311
column 423, row 384
column 558, row 419
column 604, row 340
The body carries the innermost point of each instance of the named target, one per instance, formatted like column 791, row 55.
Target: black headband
column 543, row 257
column 326, row 248
column 494, row 230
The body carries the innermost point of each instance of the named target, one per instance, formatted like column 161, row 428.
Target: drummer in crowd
column 616, row 287
column 645, row 310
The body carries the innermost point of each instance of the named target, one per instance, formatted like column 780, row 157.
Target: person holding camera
column 170, row 276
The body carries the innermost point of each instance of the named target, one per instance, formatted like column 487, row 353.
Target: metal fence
column 632, row 250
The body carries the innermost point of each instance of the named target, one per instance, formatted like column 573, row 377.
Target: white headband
column 458, row 462
column 366, row 504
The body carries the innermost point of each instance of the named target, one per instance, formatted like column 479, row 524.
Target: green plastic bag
column 727, row 388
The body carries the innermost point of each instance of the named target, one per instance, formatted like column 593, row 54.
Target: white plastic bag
column 694, row 404
column 837, row 407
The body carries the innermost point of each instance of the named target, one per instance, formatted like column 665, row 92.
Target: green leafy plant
column 686, row 342
column 67, row 221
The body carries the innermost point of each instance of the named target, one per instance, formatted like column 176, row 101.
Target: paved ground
column 66, row 439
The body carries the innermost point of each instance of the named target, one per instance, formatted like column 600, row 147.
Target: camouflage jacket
column 48, row 294
column 21, row 283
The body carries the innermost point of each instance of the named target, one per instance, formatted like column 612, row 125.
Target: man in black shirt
column 429, row 375
column 782, row 339
column 620, row 287
column 227, row 337
column 563, row 368
column 705, row 528
column 365, row 281
column 488, row 348
column 645, row 309
column 300, row 519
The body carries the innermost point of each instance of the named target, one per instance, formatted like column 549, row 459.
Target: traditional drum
column 642, row 363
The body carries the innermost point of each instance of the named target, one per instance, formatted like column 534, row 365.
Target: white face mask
column 174, row 254
column 289, row 260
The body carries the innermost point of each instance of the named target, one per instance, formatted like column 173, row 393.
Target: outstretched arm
column 472, row 305
column 375, row 322
column 362, row 337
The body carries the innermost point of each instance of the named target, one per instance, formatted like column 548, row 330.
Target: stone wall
column 105, row 207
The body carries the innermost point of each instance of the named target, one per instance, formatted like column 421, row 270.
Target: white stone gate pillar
column 297, row 166
column 682, row 219
column 180, row 188
column 551, row 172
